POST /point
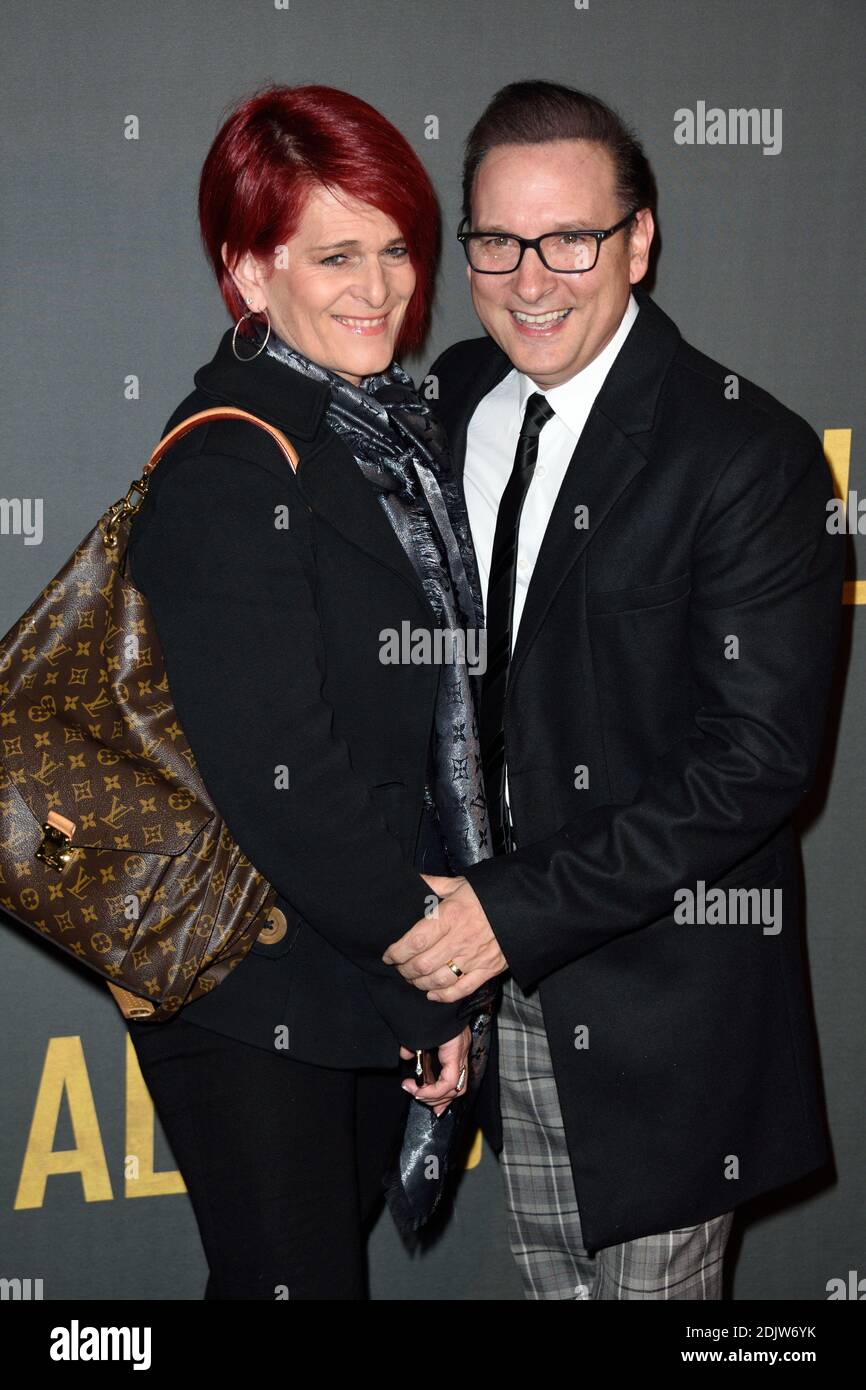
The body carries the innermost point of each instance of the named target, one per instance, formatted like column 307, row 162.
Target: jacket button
column 275, row 930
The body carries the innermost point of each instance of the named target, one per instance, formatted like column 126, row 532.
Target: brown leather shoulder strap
column 220, row 412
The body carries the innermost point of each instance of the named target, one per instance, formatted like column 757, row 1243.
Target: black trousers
column 283, row 1161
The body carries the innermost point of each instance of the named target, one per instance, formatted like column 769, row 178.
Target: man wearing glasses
column 662, row 609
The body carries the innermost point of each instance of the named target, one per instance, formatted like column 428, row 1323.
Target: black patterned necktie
column 500, row 611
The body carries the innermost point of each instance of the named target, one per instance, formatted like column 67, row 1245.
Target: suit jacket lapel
column 327, row 474
column 606, row 460
column 601, row 468
column 494, row 368
column 337, row 490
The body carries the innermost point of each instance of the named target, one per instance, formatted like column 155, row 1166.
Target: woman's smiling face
column 338, row 290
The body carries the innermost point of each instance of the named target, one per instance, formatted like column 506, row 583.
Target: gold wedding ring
column 455, row 969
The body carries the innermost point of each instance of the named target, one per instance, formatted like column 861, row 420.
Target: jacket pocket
column 649, row 596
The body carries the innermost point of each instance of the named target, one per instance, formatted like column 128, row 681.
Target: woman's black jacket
column 271, row 593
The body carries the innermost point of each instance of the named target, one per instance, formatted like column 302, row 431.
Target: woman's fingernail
column 432, row 996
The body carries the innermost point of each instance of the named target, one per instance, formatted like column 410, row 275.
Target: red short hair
column 282, row 141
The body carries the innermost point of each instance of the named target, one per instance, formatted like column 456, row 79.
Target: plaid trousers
column 543, row 1218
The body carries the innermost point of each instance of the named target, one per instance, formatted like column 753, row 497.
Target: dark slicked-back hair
column 533, row 112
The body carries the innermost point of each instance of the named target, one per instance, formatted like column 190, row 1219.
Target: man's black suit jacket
column 271, row 637
column 678, row 646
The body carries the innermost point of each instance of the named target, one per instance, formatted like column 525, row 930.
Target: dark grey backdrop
column 104, row 279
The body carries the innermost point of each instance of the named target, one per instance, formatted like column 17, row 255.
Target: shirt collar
column 572, row 399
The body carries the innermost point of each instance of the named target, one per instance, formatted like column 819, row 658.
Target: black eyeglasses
column 568, row 253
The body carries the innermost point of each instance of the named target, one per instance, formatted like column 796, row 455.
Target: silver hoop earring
column 251, row 314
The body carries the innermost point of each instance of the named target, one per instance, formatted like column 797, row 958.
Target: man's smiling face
column 551, row 325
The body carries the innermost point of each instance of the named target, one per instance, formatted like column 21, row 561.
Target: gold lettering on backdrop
column 141, row 1178
column 473, row 1158
column 65, row 1071
column 837, row 451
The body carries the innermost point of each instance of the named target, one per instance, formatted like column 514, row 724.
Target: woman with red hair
column 341, row 771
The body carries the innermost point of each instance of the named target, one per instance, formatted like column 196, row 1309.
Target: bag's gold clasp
column 126, row 507
column 56, row 848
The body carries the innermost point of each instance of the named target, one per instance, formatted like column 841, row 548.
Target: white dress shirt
column 491, row 443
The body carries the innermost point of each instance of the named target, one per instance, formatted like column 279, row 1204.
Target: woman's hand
column 454, row 1060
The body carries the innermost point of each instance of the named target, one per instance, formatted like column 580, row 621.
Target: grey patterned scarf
column 402, row 450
